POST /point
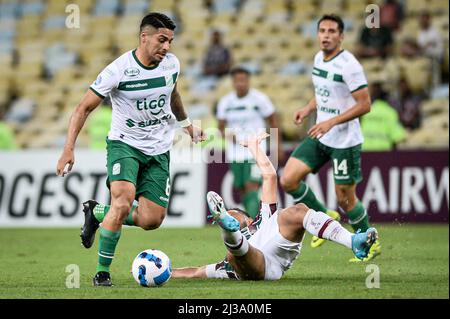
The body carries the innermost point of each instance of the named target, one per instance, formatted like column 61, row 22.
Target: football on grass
column 151, row 268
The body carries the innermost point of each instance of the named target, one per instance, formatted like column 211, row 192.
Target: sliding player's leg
column 293, row 221
column 322, row 226
column 294, row 173
column 250, row 266
column 220, row 270
column 357, row 215
column 247, row 261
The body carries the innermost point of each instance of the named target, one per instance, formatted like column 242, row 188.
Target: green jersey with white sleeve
column 334, row 81
column 140, row 97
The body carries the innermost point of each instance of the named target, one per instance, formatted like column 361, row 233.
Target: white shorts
column 279, row 253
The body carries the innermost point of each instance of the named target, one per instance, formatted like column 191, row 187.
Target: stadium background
column 46, row 67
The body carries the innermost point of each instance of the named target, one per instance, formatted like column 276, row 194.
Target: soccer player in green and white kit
column 146, row 106
column 240, row 113
column 341, row 97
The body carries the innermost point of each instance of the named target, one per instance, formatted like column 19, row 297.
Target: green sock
column 101, row 210
column 251, row 203
column 304, row 194
column 107, row 246
column 358, row 218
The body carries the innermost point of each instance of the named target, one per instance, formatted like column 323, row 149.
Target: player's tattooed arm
column 177, row 105
column 196, row 133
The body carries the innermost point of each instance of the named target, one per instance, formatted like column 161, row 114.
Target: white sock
column 321, row 225
column 235, row 242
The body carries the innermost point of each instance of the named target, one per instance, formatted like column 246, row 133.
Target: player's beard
column 328, row 51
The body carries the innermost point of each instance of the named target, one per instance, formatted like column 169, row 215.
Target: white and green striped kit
column 334, row 81
column 140, row 97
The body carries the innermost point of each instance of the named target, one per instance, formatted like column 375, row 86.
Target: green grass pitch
column 414, row 264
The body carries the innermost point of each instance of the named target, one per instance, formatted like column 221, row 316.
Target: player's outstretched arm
column 196, row 133
column 88, row 103
column 268, row 172
column 189, row 272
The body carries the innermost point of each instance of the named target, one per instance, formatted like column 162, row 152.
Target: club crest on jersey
column 131, row 72
column 169, row 80
column 99, row 80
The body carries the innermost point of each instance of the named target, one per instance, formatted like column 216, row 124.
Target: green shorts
column 150, row 174
column 245, row 172
column 346, row 162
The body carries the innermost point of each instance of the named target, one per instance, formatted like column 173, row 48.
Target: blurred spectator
column 429, row 38
column 7, row 138
column 381, row 127
column 21, row 110
column 218, row 57
column 375, row 42
column 99, row 125
column 409, row 48
column 408, row 105
column 391, row 14
column 431, row 45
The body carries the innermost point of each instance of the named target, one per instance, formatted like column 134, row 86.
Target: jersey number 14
column 340, row 168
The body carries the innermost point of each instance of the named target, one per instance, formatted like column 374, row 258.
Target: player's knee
column 302, row 209
column 287, row 183
column 345, row 202
column 153, row 221
column 294, row 215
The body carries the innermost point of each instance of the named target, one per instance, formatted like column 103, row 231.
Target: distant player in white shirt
column 341, row 97
column 240, row 113
column 142, row 86
column 265, row 248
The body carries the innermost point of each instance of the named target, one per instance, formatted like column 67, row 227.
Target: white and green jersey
column 334, row 82
column 140, row 97
column 244, row 116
